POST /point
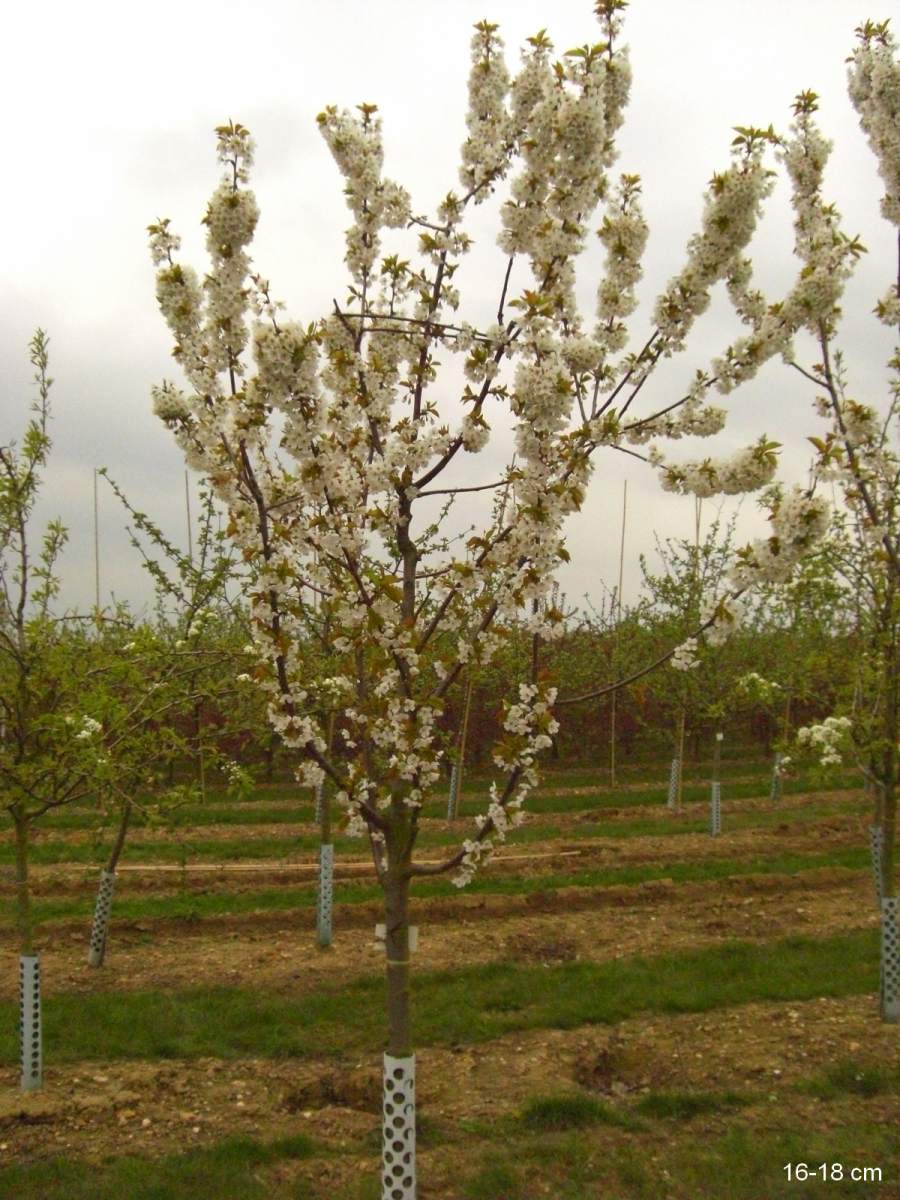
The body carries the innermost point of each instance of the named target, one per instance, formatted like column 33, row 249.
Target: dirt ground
column 789, row 806
column 762, row 1050
column 278, row 949
column 91, row 1110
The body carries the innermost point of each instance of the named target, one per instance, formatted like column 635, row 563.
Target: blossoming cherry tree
column 332, row 443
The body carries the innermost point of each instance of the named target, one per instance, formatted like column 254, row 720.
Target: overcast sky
column 115, row 106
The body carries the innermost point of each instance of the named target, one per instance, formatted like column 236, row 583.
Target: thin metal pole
column 96, row 547
column 187, row 508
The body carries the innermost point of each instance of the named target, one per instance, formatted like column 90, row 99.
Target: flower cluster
column 355, row 143
column 874, row 79
column 685, row 657
column 732, row 208
column 89, row 729
column 726, row 613
column 746, row 471
column 531, row 726
column 566, row 121
column 758, row 688
column 826, row 258
column 799, row 521
column 829, row 740
column 624, row 234
column 485, row 152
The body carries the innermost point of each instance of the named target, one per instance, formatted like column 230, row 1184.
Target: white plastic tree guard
column 30, row 1022
column 890, row 960
column 674, row 780
column 453, row 797
column 100, row 927
column 412, row 933
column 398, row 1154
column 715, row 809
column 326, row 891
column 876, row 844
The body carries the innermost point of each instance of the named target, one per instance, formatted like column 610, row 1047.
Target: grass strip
column 48, row 852
column 754, row 789
column 544, row 1114
column 563, row 794
column 228, row 1170
column 848, row 1077
column 471, row 1005
column 682, row 1106
column 197, row 905
column 745, row 1161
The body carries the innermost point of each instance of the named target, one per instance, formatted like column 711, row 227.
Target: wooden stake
column 615, row 654
column 187, row 508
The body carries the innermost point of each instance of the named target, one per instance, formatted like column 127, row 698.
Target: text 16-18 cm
column 835, row 1171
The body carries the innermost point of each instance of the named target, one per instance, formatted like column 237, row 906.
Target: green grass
column 496, row 1181
column 230, row 1170
column 47, row 851
column 747, row 1163
column 553, row 1113
column 676, row 825
column 681, row 1106
column 196, row 905
column 740, row 1162
column 737, row 1162
column 557, row 794
column 851, row 1078
column 562, row 800
column 262, row 813
column 471, row 1005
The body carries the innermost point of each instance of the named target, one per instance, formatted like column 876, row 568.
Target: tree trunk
column 677, row 769
column 325, row 891
column 30, row 1032
column 24, row 919
column 453, row 792
column 775, row 787
column 715, row 799
column 612, row 740
column 325, row 894
column 786, row 720
column 103, row 907
column 198, row 741
column 396, row 946
column 398, row 1178
column 269, row 754
column 890, row 945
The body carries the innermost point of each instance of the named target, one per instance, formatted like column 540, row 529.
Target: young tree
column 693, row 570
column 859, row 450
column 82, row 714
column 187, row 654
column 330, row 454
column 804, row 632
